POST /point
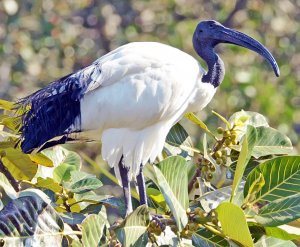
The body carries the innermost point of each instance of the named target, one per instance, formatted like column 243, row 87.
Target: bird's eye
column 200, row 31
column 211, row 25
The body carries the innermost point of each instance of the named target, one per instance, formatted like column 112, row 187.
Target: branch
column 193, row 180
column 241, row 4
column 14, row 183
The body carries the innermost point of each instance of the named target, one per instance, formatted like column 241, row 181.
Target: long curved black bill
column 231, row 36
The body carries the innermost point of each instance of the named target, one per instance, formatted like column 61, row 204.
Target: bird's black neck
column 216, row 69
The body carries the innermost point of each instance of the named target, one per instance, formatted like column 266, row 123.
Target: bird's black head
column 210, row 33
column 206, row 32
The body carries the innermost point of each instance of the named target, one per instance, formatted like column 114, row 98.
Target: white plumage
column 141, row 91
column 129, row 99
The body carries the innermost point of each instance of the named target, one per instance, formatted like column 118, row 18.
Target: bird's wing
column 53, row 111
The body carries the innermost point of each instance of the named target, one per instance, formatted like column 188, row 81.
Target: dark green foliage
column 245, row 170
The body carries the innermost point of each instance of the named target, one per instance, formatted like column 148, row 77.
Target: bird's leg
column 143, row 198
column 142, row 188
column 124, row 173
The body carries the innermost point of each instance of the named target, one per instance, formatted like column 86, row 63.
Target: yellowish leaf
column 41, row 159
column 234, row 224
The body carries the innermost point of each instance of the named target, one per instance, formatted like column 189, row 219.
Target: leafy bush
column 241, row 188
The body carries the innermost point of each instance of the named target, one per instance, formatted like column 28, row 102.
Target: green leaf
column 205, row 153
column 277, row 232
column 255, row 187
column 244, row 157
column 280, row 212
column 19, row 164
column 243, row 119
column 233, row 223
column 62, row 173
column 157, row 197
column 49, row 183
column 248, row 118
column 72, row 218
column 67, row 163
column 174, row 170
column 75, row 243
column 250, row 166
column 267, row 241
column 205, row 238
column 60, row 155
column 30, row 221
column 12, row 123
column 92, row 230
column 133, row 230
column 284, row 232
column 79, row 175
column 7, row 144
column 72, row 158
column 41, row 159
column 193, row 118
column 8, row 137
column 179, row 141
column 7, row 105
column 281, row 176
column 271, row 141
column 85, row 184
column 223, row 119
column 171, row 178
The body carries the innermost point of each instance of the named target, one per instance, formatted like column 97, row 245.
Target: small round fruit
column 214, row 221
column 233, row 136
column 234, row 142
column 212, row 168
column 204, row 169
column 220, row 130
column 227, row 142
column 219, row 161
column 218, row 154
column 209, row 176
column 227, row 133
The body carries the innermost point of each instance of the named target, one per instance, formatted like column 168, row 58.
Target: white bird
column 129, row 99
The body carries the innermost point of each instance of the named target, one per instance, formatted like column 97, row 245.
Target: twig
column 193, row 180
column 14, row 183
column 219, row 144
column 241, row 4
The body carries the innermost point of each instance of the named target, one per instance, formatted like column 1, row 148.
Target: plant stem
column 28, row 182
column 193, row 180
column 213, row 230
column 14, row 183
column 219, row 144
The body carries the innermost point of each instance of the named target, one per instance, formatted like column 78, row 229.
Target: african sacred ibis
column 129, row 99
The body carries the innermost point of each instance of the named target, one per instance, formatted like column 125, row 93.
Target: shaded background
column 43, row 40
